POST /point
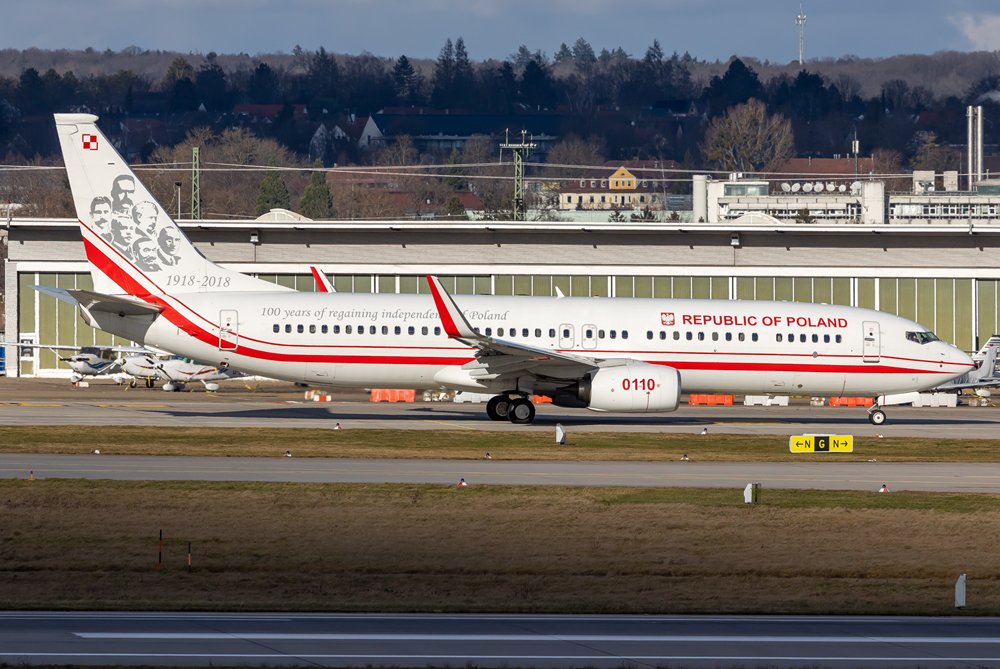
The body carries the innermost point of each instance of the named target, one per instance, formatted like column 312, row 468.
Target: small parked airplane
column 177, row 372
column 87, row 360
column 153, row 286
column 983, row 377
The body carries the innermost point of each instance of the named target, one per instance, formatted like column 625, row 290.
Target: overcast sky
column 708, row 29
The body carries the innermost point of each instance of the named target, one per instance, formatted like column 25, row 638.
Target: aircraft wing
column 499, row 357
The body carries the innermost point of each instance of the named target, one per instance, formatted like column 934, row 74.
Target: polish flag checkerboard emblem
column 90, row 142
column 666, row 318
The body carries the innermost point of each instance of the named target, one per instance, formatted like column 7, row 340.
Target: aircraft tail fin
column 133, row 245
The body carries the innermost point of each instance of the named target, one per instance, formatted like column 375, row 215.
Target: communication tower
column 519, row 151
column 195, row 183
column 801, row 21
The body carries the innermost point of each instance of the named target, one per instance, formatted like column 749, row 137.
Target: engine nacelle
column 635, row 387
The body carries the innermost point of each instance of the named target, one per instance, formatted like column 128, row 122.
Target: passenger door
column 229, row 334
column 872, row 346
column 588, row 336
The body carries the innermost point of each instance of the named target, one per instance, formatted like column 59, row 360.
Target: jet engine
column 635, row 387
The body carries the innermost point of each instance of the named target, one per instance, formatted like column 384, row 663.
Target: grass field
column 93, row 544
column 467, row 445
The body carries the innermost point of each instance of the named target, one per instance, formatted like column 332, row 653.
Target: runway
column 928, row 477
column 226, row 639
column 38, row 401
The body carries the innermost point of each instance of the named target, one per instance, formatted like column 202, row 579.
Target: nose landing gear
column 875, row 415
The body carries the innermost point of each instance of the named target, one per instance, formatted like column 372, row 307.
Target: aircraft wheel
column 876, row 417
column 522, row 412
column 132, row 383
column 498, row 407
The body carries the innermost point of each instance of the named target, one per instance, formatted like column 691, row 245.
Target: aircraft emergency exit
column 630, row 355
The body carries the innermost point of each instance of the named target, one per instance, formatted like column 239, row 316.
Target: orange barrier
column 851, row 401
column 711, row 400
column 541, row 399
column 392, row 395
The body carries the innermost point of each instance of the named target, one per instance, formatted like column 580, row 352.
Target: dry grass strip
column 526, row 445
column 93, row 544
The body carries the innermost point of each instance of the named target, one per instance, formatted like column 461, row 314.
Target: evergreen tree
column 463, row 76
column 323, row 75
column 444, row 74
column 405, row 81
column 317, row 203
column 454, row 208
column 273, row 194
column 563, row 55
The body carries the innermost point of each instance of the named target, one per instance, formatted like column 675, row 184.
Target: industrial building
column 943, row 271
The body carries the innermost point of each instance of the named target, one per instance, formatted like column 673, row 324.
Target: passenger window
column 538, row 333
column 588, row 334
column 614, row 334
column 385, row 329
column 437, row 330
column 397, row 330
column 815, row 339
column 715, row 336
column 565, row 333
column 839, row 339
column 371, row 329
column 701, row 336
column 277, row 328
column 802, row 338
column 288, row 327
column 312, row 329
column 499, row 332
column 325, row 329
column 489, row 332
column 677, row 335
column 778, row 337
column 729, row 336
column 336, row 329
column 299, row 328
column 347, row 329
column 826, row 339
column 742, row 336
column 552, row 332
column 624, row 334
column 525, row 332
column 423, row 330
column 600, row 334
column 688, row 336
column 411, row 330
column 791, row 338
column 753, row 336
column 663, row 335
column 649, row 334
column 361, row 329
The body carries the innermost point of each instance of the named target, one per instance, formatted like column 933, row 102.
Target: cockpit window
column 922, row 337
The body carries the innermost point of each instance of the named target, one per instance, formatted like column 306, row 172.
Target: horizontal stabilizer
column 92, row 301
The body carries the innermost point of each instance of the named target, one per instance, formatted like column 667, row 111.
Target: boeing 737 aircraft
column 630, row 355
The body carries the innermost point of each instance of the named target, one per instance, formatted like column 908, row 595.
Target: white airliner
column 630, row 355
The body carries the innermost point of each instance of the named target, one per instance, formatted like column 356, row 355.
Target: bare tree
column 748, row 139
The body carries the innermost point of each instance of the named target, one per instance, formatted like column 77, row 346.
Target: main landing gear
column 875, row 415
column 518, row 409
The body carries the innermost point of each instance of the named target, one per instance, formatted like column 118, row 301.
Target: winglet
column 452, row 319
column 323, row 284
